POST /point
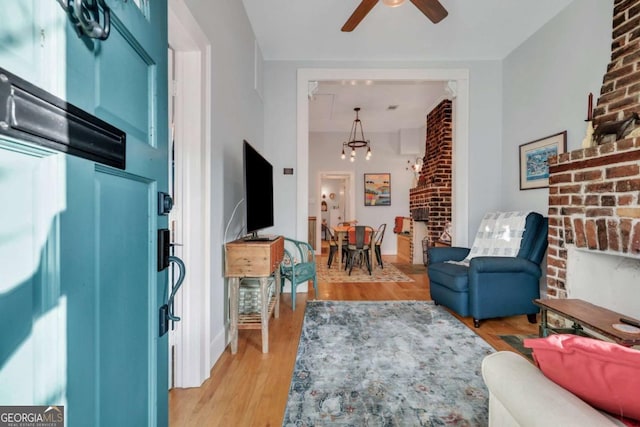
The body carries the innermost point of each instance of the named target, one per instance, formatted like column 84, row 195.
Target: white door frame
column 460, row 184
column 191, row 336
column 349, row 177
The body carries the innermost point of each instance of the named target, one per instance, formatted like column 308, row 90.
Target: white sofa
column 520, row 395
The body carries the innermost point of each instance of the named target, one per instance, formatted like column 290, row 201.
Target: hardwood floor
column 251, row 388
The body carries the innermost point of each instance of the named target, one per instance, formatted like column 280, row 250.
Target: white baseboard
column 218, row 345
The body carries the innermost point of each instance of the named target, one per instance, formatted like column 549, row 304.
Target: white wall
column 485, row 130
column 546, row 83
column 324, row 155
column 237, row 113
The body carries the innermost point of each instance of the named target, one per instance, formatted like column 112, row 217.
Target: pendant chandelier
column 356, row 140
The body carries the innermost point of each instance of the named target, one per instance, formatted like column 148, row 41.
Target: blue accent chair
column 491, row 286
column 298, row 266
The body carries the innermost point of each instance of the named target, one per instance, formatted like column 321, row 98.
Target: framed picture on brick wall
column 534, row 160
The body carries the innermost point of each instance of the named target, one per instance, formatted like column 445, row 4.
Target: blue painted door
column 79, row 287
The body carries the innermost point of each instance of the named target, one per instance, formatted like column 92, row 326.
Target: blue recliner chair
column 491, row 286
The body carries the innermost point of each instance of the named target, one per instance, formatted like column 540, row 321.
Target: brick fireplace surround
column 593, row 204
column 594, row 192
column 433, row 192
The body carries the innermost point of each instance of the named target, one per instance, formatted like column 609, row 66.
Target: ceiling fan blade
column 358, row 15
column 432, row 9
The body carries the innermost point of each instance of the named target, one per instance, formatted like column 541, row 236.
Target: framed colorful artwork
column 377, row 189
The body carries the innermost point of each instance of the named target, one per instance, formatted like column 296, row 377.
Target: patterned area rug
column 389, row 273
column 394, row 363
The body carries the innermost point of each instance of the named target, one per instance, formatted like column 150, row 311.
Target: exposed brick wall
column 620, row 91
column 594, row 204
column 434, row 184
column 594, row 192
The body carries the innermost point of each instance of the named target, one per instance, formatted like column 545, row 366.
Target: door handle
column 166, row 312
column 174, row 289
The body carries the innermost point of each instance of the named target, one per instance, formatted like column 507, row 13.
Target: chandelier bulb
column 352, row 159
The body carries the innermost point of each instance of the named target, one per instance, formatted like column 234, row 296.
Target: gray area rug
column 394, row 363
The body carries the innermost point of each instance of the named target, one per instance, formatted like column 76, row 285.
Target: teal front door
column 79, row 286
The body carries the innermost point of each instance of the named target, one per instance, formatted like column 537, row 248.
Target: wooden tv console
column 256, row 259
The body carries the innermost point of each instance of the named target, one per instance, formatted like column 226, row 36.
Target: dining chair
column 377, row 243
column 359, row 245
column 345, row 239
column 333, row 244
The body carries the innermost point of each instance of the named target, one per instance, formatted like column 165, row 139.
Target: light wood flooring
column 250, row 388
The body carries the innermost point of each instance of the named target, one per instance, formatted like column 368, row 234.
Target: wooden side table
column 258, row 259
column 587, row 315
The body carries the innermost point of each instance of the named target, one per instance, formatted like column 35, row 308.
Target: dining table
column 340, row 232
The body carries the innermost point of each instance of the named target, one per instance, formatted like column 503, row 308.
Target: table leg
column 234, row 295
column 339, row 251
column 264, row 313
column 543, row 323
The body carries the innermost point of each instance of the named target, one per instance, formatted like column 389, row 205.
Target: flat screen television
column 258, row 192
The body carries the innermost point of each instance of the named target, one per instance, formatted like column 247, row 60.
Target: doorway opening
column 336, row 190
column 460, row 77
column 395, row 115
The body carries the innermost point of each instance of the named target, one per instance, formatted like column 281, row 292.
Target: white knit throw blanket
column 499, row 234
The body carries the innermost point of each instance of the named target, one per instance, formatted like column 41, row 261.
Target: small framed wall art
column 534, row 160
column 377, row 189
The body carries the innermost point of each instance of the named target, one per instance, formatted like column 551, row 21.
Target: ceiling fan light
column 392, row 3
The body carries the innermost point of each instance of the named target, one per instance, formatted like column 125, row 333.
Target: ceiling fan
column 431, row 8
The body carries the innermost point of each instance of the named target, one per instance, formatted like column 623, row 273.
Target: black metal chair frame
column 377, row 243
column 358, row 247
